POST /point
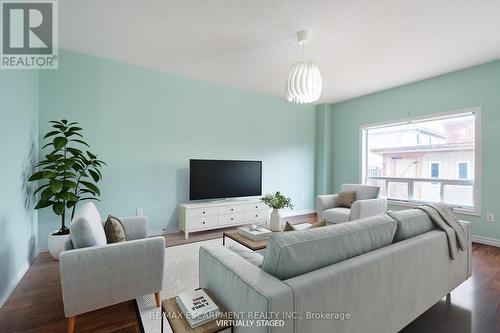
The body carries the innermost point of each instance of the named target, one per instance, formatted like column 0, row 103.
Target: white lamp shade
column 304, row 83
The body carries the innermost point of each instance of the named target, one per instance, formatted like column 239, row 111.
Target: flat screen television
column 217, row 179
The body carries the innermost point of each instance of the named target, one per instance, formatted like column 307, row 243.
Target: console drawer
column 203, row 222
column 231, row 209
column 201, row 212
column 257, row 215
column 255, row 206
column 231, row 219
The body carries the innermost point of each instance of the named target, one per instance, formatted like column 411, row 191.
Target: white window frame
column 476, row 183
column 430, row 169
column 458, row 169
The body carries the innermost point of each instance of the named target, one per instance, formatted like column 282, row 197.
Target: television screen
column 212, row 179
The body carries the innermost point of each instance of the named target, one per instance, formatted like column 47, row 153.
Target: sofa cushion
column 411, row 222
column 337, row 215
column 294, row 253
column 86, row 228
column 363, row 192
column 247, row 254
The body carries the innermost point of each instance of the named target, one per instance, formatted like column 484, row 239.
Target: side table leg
column 161, row 314
column 223, row 240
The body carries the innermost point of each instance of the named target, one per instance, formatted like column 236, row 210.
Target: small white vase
column 275, row 221
column 56, row 244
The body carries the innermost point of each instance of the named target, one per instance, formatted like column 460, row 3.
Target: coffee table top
column 247, row 242
column 180, row 325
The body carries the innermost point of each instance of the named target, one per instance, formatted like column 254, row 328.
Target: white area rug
column 181, row 274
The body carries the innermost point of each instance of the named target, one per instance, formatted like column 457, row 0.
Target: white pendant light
column 304, row 83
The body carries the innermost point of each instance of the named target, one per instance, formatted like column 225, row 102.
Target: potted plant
column 66, row 176
column 276, row 201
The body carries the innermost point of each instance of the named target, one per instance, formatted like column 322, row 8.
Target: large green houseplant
column 68, row 173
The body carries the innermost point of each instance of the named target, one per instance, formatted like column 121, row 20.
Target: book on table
column 255, row 235
column 198, row 308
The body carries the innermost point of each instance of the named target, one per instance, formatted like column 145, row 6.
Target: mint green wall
column 147, row 124
column 18, row 151
column 477, row 86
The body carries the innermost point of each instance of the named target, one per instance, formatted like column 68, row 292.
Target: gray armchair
column 367, row 203
column 101, row 275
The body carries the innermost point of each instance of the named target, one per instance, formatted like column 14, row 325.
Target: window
column 463, row 170
column 429, row 159
column 434, row 169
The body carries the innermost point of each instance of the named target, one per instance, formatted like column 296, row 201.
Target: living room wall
column 18, row 151
column 477, row 86
column 146, row 124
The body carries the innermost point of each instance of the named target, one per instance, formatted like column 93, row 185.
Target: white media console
column 200, row 216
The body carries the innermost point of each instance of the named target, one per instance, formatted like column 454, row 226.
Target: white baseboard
column 486, row 241
column 290, row 213
column 13, row 284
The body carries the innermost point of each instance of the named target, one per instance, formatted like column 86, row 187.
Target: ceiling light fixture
column 304, row 83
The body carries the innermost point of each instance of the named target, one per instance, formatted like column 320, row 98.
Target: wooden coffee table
column 247, row 242
column 179, row 324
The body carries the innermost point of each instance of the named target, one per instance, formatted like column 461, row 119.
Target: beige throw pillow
column 346, row 199
column 115, row 232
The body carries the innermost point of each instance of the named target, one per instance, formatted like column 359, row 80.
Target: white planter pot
column 56, row 244
column 275, row 221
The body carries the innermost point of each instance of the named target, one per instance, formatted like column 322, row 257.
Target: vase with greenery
column 276, row 201
column 67, row 174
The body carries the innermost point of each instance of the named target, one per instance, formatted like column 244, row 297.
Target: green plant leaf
column 92, row 156
column 42, row 204
column 46, row 194
column 94, row 175
column 36, row 176
column 74, row 129
column 69, row 184
column 49, row 174
column 46, row 145
column 80, row 141
column 91, row 187
column 59, row 142
column 40, row 188
column 58, row 208
column 55, row 185
column 64, row 121
column 51, row 133
column 74, row 151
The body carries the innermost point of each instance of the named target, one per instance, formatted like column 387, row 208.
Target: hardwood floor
column 36, row 304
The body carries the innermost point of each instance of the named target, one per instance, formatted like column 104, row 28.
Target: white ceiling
column 361, row 46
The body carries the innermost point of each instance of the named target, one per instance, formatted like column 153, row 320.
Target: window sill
column 460, row 211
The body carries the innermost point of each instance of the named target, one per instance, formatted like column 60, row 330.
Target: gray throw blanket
column 446, row 220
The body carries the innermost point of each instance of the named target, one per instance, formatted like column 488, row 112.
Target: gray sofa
column 367, row 203
column 101, row 275
column 372, row 275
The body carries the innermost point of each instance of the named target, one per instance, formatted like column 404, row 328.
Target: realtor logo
column 29, row 35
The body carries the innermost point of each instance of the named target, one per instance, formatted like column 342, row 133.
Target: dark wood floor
column 36, row 304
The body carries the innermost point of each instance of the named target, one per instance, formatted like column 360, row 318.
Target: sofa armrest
column 324, row 202
column 136, row 227
column 243, row 287
column 369, row 207
column 100, row 276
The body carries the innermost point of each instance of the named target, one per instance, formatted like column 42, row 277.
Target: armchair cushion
column 86, row 228
column 346, row 199
column 362, row 191
column 337, row 215
column 114, row 230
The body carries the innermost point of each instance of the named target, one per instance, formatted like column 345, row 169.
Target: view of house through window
column 429, row 160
